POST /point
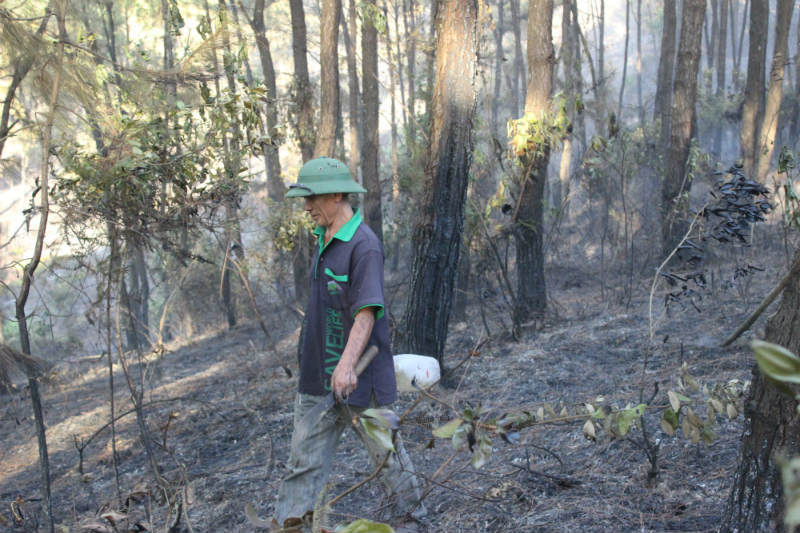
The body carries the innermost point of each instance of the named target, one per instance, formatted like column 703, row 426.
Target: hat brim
column 309, row 189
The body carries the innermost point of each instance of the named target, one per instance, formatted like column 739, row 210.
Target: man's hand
column 343, row 380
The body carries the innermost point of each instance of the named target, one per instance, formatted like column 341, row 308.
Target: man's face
column 323, row 208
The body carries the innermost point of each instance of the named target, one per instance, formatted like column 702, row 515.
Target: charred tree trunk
column 675, row 187
column 410, row 25
column 639, row 103
column 771, row 116
column 304, row 127
column 498, row 69
column 624, row 58
column 369, row 155
column 531, row 297
column 666, row 65
column 772, row 427
column 518, row 66
column 722, row 46
column 794, row 129
column 754, row 89
column 303, row 95
column 437, row 235
column 275, row 186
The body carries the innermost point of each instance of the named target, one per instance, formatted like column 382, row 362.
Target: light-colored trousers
column 310, row 463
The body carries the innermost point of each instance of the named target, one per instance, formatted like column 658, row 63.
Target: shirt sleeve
column 366, row 283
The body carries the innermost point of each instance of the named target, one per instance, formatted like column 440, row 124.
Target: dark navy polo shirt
column 346, row 276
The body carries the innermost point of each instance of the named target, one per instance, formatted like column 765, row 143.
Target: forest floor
column 219, row 408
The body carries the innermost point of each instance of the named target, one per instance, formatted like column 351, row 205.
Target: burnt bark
column 531, row 297
column 275, row 186
column 754, row 88
column 369, row 152
column 772, row 428
column 518, row 65
column 676, row 186
column 722, row 41
column 771, row 115
column 303, row 94
column 437, row 234
column 666, row 65
column 304, row 128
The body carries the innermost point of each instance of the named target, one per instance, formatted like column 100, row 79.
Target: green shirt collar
column 344, row 234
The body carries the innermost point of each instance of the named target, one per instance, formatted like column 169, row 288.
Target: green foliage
column 783, row 366
column 380, row 425
column 530, row 135
column 791, row 206
column 372, row 14
column 364, row 526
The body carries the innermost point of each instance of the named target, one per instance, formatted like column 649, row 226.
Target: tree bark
column 518, row 66
column 676, row 186
column 639, row 103
column 498, row 69
column 624, row 58
column 304, row 127
column 531, row 297
column 437, row 234
column 754, row 89
column 771, row 116
column 303, row 95
column 369, row 154
column 354, row 110
column 329, row 79
column 772, row 428
column 722, row 47
column 794, row 129
column 275, row 187
column 666, row 65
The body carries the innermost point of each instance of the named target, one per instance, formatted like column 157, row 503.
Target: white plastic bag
column 422, row 370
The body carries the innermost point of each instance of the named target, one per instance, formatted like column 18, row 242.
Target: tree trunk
column 437, row 234
column 754, row 90
column 409, row 22
column 624, row 58
column 498, row 69
column 303, row 97
column 569, row 50
column 666, row 65
column 354, row 110
column 676, row 186
column 771, row 116
column 531, row 297
column 772, row 428
column 794, row 130
column 639, row 103
column 369, row 154
column 329, row 78
column 518, row 70
column 722, row 46
column 737, row 59
column 275, row 186
column 304, row 126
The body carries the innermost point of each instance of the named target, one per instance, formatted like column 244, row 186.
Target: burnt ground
column 219, row 410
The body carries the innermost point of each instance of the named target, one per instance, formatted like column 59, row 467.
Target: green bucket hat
column 323, row 176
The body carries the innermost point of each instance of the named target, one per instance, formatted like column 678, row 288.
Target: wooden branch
column 761, row 308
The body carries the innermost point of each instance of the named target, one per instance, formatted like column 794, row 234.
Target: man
column 345, row 314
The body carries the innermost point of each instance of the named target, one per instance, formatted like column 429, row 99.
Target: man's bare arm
column 344, row 379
